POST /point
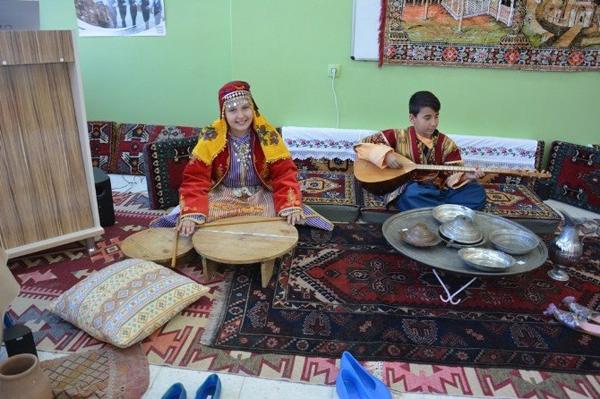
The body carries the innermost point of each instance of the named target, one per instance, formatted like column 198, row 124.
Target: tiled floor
column 240, row 387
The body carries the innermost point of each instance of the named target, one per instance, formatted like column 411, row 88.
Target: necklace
column 241, row 147
column 242, row 151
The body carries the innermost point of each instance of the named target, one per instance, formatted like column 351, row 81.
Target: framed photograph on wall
column 120, row 17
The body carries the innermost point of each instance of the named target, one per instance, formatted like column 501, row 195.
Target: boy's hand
column 474, row 175
column 392, row 161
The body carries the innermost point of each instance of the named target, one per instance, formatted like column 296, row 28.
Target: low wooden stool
column 156, row 245
column 245, row 243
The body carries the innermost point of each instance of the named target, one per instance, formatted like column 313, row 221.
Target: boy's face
column 425, row 122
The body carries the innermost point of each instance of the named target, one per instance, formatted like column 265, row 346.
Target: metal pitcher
column 565, row 250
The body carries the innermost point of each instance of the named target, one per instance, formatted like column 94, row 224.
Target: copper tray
column 446, row 258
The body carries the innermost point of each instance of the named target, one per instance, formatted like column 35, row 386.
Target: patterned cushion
column 167, row 159
column 326, row 186
column 575, row 177
column 130, row 141
column 101, row 143
column 127, row 301
column 519, row 203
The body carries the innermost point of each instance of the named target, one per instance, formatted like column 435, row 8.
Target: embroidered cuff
column 197, row 218
column 287, row 211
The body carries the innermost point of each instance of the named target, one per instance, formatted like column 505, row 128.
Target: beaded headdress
column 234, row 93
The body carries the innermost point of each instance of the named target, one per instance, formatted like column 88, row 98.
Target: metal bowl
column 419, row 235
column 487, row 260
column 462, row 230
column 453, row 244
column 446, row 213
column 514, row 241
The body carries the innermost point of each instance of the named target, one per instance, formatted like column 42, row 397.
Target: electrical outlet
column 333, row 71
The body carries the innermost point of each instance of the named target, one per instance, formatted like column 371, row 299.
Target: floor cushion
column 131, row 138
column 101, row 136
column 520, row 204
column 166, row 160
column 575, row 180
column 329, row 187
column 127, row 301
column 512, row 201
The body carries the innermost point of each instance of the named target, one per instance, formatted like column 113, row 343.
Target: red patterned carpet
column 45, row 276
column 349, row 290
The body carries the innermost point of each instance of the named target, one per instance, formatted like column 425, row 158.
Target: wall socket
column 333, row 71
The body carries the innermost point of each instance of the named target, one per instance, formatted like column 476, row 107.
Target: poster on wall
column 550, row 35
column 120, row 17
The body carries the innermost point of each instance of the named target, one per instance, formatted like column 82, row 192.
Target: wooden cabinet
column 47, row 194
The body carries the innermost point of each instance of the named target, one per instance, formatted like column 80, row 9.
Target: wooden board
column 245, row 243
column 155, row 245
column 49, row 197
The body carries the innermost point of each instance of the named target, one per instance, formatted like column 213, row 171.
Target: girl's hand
column 295, row 217
column 187, row 227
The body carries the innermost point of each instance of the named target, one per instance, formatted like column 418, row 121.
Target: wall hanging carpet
column 45, row 276
column 516, row 34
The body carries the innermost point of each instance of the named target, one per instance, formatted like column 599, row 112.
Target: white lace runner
column 482, row 151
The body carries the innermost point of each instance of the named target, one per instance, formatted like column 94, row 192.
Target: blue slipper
column 175, row 391
column 210, row 388
column 354, row 379
column 346, row 386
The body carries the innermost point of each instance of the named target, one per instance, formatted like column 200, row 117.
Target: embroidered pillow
column 124, row 303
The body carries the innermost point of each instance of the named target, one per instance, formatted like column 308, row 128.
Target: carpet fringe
column 217, row 312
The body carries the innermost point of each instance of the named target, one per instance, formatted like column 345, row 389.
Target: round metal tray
column 446, row 258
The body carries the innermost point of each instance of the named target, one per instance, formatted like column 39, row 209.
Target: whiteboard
column 365, row 30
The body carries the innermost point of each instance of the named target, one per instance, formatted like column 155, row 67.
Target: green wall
column 283, row 47
column 171, row 79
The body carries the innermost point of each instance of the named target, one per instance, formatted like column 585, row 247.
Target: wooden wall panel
column 35, row 47
column 42, row 164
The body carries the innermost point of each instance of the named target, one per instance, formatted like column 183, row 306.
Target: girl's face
column 239, row 116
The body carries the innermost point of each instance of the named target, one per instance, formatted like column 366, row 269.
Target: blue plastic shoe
column 354, row 381
column 175, row 391
column 210, row 388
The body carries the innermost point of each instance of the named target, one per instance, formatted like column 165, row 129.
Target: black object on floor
column 106, row 208
column 19, row 339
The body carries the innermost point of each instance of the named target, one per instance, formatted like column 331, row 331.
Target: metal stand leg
column 450, row 297
column 90, row 245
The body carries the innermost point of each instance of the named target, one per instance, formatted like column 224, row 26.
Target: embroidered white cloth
column 316, row 142
column 483, row 151
column 496, row 151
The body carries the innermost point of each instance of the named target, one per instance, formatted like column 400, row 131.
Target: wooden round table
column 156, row 245
column 244, row 243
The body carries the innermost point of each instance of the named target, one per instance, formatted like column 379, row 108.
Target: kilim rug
column 45, row 276
column 103, row 373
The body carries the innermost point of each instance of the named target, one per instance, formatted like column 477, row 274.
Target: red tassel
column 382, row 18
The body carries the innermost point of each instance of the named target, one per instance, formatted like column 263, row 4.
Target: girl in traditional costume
column 240, row 166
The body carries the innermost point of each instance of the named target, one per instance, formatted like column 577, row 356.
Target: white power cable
column 335, row 100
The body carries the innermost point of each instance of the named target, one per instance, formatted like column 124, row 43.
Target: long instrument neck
column 450, row 168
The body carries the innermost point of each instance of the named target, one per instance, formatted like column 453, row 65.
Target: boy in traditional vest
column 423, row 144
